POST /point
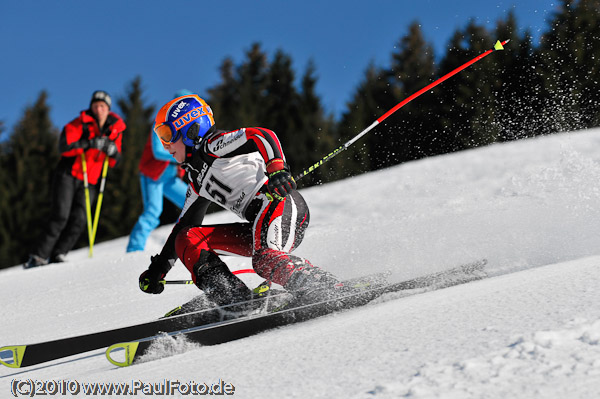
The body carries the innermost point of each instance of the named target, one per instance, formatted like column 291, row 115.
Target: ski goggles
column 167, row 133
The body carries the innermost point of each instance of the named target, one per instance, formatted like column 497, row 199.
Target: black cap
column 101, row 95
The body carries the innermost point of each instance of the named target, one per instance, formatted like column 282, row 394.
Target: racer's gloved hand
column 151, row 280
column 281, row 183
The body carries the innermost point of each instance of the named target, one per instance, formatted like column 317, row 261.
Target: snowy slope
column 531, row 330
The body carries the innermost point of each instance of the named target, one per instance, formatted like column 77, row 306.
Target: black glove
column 105, row 145
column 151, row 280
column 111, row 149
column 281, row 183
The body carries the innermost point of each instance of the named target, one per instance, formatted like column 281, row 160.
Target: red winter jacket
column 74, row 140
column 150, row 166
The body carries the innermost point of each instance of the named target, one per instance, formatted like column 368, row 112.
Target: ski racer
column 245, row 172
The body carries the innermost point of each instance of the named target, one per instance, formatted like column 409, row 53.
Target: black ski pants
column 68, row 219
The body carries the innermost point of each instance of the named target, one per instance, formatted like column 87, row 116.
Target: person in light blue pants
column 159, row 177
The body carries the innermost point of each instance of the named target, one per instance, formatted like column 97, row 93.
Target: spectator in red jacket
column 96, row 133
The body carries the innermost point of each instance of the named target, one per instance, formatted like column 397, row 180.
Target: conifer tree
column 263, row 93
column 252, row 81
column 296, row 116
column 568, row 56
column 467, row 103
column 225, row 97
column 238, row 99
column 413, row 132
column 280, row 102
column 517, row 103
column 410, row 132
column 30, row 157
column 368, row 103
column 315, row 130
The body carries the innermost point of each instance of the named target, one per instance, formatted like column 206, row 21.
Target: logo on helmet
column 180, row 106
column 187, row 118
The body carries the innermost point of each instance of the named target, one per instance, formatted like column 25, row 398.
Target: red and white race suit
column 228, row 168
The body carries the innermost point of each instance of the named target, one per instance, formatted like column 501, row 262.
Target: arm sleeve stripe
column 267, row 143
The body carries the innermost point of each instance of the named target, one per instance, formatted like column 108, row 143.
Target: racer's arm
column 264, row 141
column 244, row 141
column 192, row 214
column 281, row 183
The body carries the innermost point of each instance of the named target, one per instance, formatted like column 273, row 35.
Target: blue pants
column 169, row 186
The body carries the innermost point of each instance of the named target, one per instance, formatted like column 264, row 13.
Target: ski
column 229, row 330
column 18, row 356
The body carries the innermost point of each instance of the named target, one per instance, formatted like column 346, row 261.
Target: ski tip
column 12, row 356
column 130, row 349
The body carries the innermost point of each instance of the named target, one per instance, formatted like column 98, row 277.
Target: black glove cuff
column 159, row 265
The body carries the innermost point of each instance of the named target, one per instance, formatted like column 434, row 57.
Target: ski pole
column 88, row 205
column 498, row 46
column 98, row 205
column 186, row 282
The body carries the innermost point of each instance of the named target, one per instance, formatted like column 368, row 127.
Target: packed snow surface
column 530, row 330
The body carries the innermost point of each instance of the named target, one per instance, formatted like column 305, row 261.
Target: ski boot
column 310, row 284
column 35, row 261
column 268, row 299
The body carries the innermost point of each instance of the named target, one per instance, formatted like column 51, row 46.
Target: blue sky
column 71, row 48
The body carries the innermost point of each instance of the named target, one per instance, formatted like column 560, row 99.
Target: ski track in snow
column 530, row 330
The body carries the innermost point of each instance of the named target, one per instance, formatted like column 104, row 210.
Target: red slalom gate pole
column 498, row 46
